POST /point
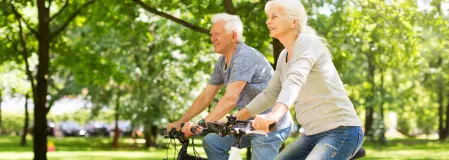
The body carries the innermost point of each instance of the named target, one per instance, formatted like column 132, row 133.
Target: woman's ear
column 295, row 23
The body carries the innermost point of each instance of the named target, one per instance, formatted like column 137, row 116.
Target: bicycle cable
column 193, row 146
column 168, row 146
column 176, row 150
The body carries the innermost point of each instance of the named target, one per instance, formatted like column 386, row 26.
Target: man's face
column 220, row 39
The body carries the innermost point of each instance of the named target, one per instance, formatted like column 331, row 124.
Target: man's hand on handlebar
column 189, row 129
column 175, row 124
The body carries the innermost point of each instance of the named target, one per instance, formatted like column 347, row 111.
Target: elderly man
column 245, row 72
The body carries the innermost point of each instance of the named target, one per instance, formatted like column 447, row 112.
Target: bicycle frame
column 239, row 130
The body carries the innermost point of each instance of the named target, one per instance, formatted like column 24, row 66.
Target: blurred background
column 72, row 72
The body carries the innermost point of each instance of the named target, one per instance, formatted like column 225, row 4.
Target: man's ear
column 234, row 36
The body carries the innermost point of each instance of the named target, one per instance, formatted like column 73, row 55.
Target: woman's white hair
column 295, row 10
column 232, row 24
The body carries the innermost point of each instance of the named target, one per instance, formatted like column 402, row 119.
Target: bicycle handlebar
column 232, row 126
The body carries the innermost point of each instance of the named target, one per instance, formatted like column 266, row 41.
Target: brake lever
column 259, row 132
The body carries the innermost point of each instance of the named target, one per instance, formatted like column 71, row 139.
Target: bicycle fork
column 234, row 154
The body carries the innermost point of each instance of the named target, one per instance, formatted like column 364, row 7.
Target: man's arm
column 199, row 105
column 228, row 101
column 243, row 114
column 201, row 102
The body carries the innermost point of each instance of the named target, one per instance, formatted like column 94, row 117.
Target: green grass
column 417, row 149
column 100, row 149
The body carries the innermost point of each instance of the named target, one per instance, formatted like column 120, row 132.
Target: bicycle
column 237, row 128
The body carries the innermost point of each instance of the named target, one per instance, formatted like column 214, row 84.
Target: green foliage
column 12, row 123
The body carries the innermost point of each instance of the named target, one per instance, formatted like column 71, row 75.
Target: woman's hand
column 262, row 122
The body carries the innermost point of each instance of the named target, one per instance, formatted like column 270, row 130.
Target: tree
column 434, row 37
column 45, row 35
column 23, row 140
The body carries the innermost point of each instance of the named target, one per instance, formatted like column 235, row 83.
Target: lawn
column 100, row 149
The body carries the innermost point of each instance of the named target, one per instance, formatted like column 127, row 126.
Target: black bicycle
column 237, row 128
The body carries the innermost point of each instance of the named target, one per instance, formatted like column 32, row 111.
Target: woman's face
column 278, row 22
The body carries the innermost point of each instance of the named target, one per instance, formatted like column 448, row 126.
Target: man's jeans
column 339, row 143
column 263, row 147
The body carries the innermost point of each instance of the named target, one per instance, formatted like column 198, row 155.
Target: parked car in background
column 124, row 126
column 68, row 128
column 50, row 128
column 95, row 128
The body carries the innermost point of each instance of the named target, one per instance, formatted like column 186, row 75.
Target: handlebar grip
column 192, row 129
column 271, row 126
column 196, row 130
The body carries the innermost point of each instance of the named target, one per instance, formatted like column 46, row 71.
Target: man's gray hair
column 232, row 24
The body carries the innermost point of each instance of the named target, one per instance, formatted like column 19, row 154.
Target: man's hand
column 175, row 124
column 186, row 129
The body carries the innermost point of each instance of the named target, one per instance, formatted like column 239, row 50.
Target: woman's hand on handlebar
column 262, row 122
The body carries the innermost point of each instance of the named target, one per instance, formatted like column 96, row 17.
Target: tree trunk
column 117, row 129
column 441, row 129
column 150, row 140
column 154, row 130
column 23, row 141
column 382, row 137
column 229, row 7
column 40, row 134
column 1, row 99
column 40, row 110
column 369, row 118
column 447, row 117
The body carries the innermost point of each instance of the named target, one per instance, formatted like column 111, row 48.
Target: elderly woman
column 307, row 79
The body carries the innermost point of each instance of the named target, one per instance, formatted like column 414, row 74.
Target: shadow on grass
column 11, row 143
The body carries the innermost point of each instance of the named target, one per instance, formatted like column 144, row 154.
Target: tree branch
column 49, row 3
column 60, row 11
column 170, row 17
column 17, row 14
column 66, row 23
column 24, row 54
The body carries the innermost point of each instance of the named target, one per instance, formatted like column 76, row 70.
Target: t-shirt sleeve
column 242, row 68
column 216, row 77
